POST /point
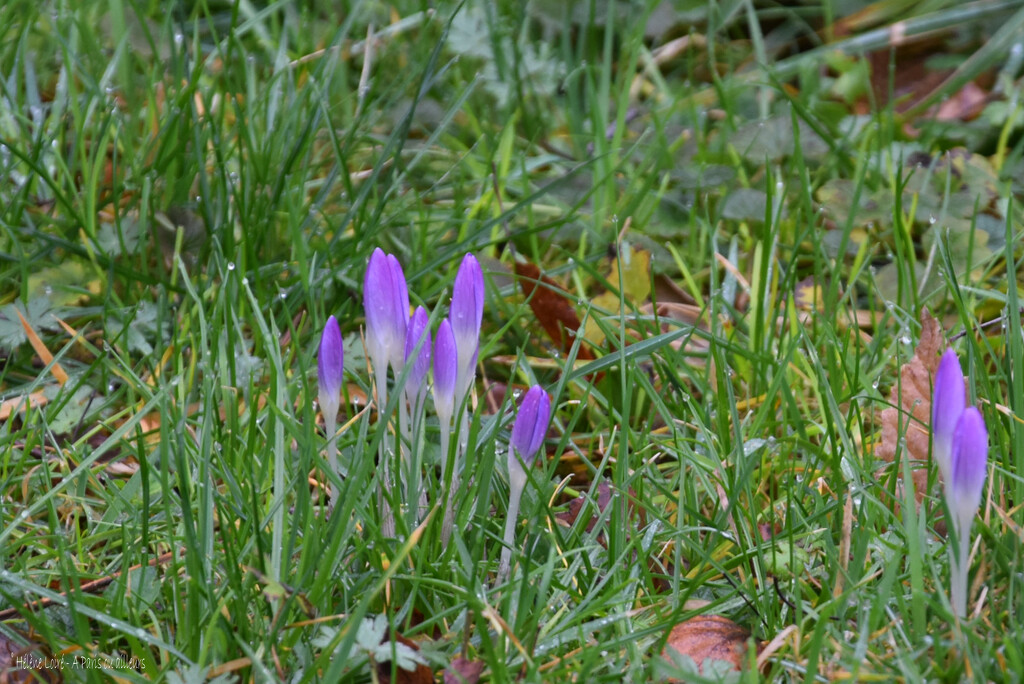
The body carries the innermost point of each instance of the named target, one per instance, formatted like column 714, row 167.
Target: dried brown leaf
column 708, row 637
column 24, row 664
column 552, row 307
column 604, row 497
column 909, row 413
column 463, row 671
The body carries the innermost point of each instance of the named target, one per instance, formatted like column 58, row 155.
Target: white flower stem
column 516, row 484
column 958, row 566
column 331, row 428
column 387, row 519
column 449, row 480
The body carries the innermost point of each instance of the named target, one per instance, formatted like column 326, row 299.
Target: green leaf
column 37, row 313
column 114, row 242
column 70, row 412
column 138, row 327
column 773, row 139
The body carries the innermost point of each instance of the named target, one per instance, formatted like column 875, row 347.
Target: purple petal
column 445, row 370
column 418, row 333
column 531, row 424
column 948, row 395
column 399, row 313
column 970, row 463
column 466, row 314
column 330, row 361
column 948, row 402
column 377, row 302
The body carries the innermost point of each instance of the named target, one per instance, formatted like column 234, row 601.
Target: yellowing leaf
column 64, row 285
column 635, row 287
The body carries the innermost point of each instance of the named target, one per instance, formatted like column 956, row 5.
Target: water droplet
column 179, row 38
column 245, row 281
column 231, row 265
column 932, row 220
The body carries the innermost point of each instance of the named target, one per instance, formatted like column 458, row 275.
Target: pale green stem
column 418, row 491
column 516, row 484
column 405, row 443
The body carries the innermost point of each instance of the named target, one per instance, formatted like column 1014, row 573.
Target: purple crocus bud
column 418, row 334
column 948, row 402
column 970, row 464
column 531, row 425
column 466, row 313
column 445, row 371
column 330, row 363
column 386, row 300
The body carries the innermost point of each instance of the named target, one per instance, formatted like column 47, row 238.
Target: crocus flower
column 330, row 362
column 948, row 402
column 531, row 425
column 970, row 464
column 445, row 369
column 527, row 437
column 386, row 300
column 466, row 313
column 418, row 334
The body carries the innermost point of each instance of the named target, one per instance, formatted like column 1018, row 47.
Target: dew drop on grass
column 231, row 265
column 932, row 220
column 179, row 38
column 245, row 281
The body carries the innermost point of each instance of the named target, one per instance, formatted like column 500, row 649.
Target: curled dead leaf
column 552, row 307
column 709, row 641
column 463, row 671
column 908, row 415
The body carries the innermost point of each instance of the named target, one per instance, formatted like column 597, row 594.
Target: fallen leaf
column 552, row 307
column 463, row 671
column 908, row 417
column 19, row 403
column 604, row 497
column 964, row 105
column 635, row 266
column 26, row 664
column 711, row 642
column 421, row 675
